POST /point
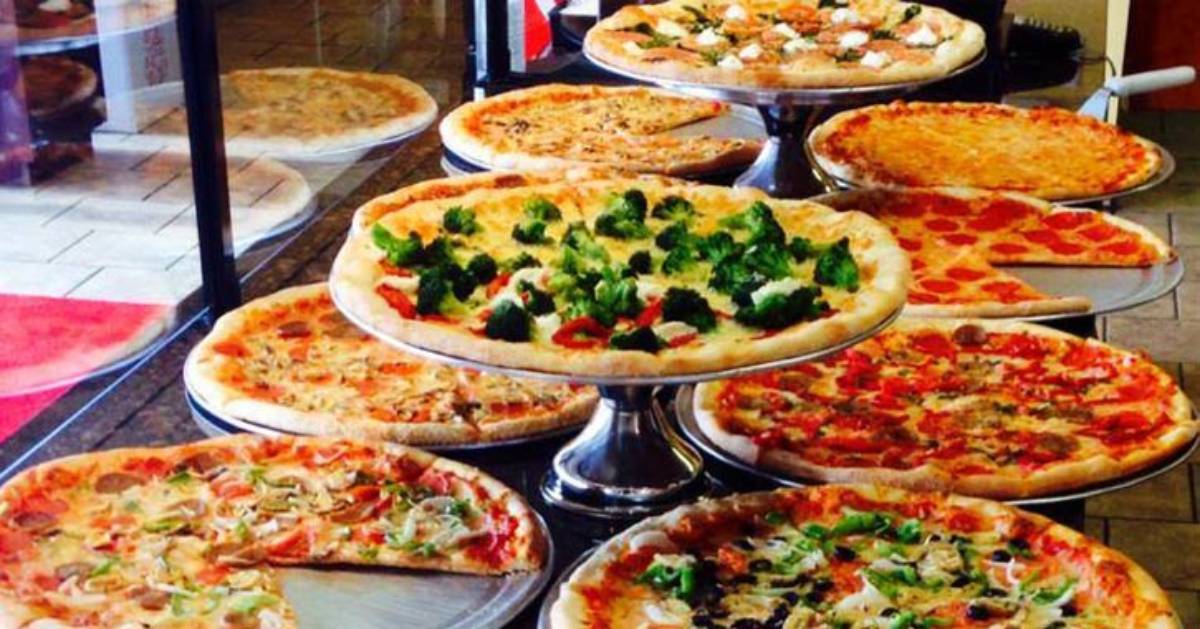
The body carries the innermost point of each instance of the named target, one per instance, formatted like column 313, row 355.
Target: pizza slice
column 187, row 535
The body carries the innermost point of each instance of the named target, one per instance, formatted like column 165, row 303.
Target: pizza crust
column 356, row 271
column 1056, row 479
column 459, row 138
column 600, row 45
column 1000, row 310
column 202, row 376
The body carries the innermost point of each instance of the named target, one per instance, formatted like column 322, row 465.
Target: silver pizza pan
column 49, row 43
column 739, row 122
column 553, row 592
column 216, row 424
column 600, row 379
column 750, row 95
column 1166, row 169
column 685, row 412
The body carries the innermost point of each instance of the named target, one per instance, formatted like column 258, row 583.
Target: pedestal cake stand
column 628, row 462
column 784, row 169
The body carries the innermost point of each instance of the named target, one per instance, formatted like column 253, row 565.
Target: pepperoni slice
column 1002, row 288
column 960, row 239
column 949, row 206
column 917, row 264
column 1066, row 248
column 908, row 206
column 917, row 297
column 1121, row 247
column 1099, row 233
column 965, row 275
column 934, row 344
column 939, row 286
column 998, row 214
column 942, row 225
column 1009, row 248
column 909, row 245
column 1068, row 220
column 1041, row 236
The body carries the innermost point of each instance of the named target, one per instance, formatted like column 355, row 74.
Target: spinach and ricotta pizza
column 619, row 276
column 857, row 557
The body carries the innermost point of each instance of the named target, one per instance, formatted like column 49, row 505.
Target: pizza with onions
column 619, row 276
column 188, row 535
column 299, row 111
column 55, row 84
column 789, row 44
column 857, row 556
column 1048, row 153
column 997, row 409
column 292, row 362
column 954, row 236
column 558, row 126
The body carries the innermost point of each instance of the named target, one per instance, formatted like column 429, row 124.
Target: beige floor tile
column 30, row 213
column 1167, row 340
column 1190, row 256
column 1157, row 223
column 1185, row 229
column 40, row 278
column 1161, row 308
column 1165, row 497
column 127, row 250
column 1160, row 549
column 135, row 286
column 38, row 244
column 1187, row 171
column 1187, row 605
column 1188, row 296
column 1095, row 528
column 118, row 215
column 1169, row 197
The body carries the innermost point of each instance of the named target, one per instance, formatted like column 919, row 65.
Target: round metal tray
column 685, row 412
column 788, row 96
column 40, row 45
column 602, row 380
column 1164, row 172
column 543, row 620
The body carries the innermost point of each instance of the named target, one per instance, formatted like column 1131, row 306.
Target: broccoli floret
column 640, row 262
column 778, row 311
column 537, row 302
column 768, row 259
column 531, row 232
column 639, row 339
column 580, row 239
column 680, row 260
column 539, row 208
column 482, row 267
column 400, row 252
column 673, row 208
column 438, row 289
column 460, row 220
column 614, row 297
column 718, row 246
column 736, row 279
column 760, row 221
column 624, row 216
column 802, row 249
column 674, row 235
column 836, row 267
column 520, row 261
column 690, row 307
column 439, row 252
column 508, row 322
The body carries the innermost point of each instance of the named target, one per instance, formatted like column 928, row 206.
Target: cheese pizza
column 787, row 44
column 996, row 409
column 292, row 362
column 186, row 536
column 955, row 235
column 39, row 20
column 558, row 126
column 620, row 276
column 857, row 556
column 55, row 84
column 1048, row 153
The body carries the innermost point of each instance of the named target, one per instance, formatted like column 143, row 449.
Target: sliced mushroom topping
column 294, row 329
column 116, row 482
column 238, row 553
column 355, row 512
column 77, row 569
column 940, row 561
column 150, row 598
column 35, row 521
column 239, row 620
column 970, row 334
column 201, row 463
column 1056, row 443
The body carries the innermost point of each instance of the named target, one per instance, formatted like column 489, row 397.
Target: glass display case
column 163, row 164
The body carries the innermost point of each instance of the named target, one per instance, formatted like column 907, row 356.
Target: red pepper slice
column 397, row 300
column 650, row 313
column 682, row 340
column 594, row 333
column 498, row 284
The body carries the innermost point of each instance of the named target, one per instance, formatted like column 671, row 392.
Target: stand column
column 783, row 169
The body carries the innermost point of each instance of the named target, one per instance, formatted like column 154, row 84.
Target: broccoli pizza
column 620, row 276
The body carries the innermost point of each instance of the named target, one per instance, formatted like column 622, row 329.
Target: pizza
column 311, row 110
column 985, row 408
column 954, row 236
column 188, row 535
column 857, row 556
column 619, row 276
column 787, row 44
column 290, row 361
column 54, row 84
column 51, row 19
column 1046, row 152
column 558, row 126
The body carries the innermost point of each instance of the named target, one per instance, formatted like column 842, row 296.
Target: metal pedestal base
column 783, row 169
column 627, row 463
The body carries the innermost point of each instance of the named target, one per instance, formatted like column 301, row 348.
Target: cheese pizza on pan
column 996, row 409
column 188, row 535
column 857, row 556
column 619, row 276
column 558, row 126
column 1048, row 153
column 954, row 236
column 290, row 361
column 785, row 43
